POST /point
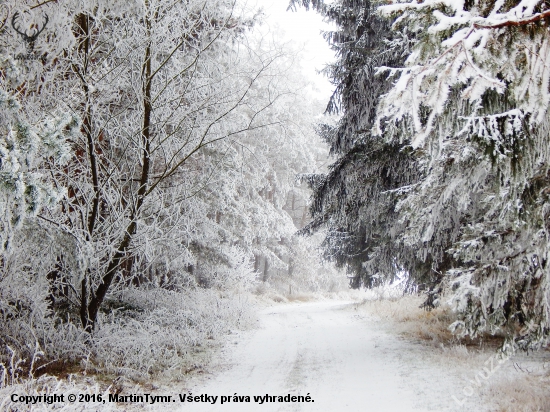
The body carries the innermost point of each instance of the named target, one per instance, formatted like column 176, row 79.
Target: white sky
column 303, row 29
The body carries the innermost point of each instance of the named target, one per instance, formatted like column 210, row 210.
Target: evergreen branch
column 515, row 23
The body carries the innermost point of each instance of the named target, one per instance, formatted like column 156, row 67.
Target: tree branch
column 508, row 23
column 43, row 3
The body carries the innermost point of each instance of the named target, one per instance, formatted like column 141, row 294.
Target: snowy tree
column 355, row 200
column 475, row 90
column 186, row 151
column 441, row 170
column 148, row 154
column 24, row 149
column 156, row 84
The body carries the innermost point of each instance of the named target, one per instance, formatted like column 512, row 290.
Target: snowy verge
column 477, row 375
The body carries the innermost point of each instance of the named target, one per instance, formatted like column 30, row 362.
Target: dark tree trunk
column 89, row 310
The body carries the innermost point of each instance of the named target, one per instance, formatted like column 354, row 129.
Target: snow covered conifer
column 25, row 150
column 355, row 201
column 475, row 90
column 442, row 156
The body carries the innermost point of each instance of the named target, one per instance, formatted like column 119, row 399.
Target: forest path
column 325, row 349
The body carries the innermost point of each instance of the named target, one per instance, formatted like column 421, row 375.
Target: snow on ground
column 341, row 358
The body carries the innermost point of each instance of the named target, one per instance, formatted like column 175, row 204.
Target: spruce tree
column 355, row 201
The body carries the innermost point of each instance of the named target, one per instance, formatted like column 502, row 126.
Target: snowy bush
column 144, row 333
column 158, row 332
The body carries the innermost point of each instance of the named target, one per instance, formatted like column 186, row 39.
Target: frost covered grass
column 522, row 393
column 408, row 319
column 148, row 335
column 18, row 389
column 163, row 332
column 517, row 384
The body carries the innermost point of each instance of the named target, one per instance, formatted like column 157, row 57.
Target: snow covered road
column 322, row 349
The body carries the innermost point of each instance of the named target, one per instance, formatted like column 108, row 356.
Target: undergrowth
column 148, row 334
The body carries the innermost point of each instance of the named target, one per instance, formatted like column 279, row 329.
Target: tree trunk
column 89, row 313
column 266, row 270
column 256, row 263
